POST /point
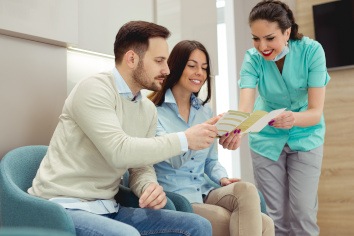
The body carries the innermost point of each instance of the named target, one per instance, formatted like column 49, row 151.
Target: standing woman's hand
column 285, row 120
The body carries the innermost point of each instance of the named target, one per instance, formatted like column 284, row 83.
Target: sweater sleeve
column 140, row 178
column 93, row 107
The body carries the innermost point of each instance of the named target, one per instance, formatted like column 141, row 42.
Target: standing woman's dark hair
column 276, row 11
column 177, row 61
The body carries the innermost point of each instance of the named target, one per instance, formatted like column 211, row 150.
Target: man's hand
column 227, row 181
column 231, row 140
column 202, row 136
column 153, row 197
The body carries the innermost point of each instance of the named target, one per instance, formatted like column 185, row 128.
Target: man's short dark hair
column 135, row 36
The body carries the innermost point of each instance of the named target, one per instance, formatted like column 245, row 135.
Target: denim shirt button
column 198, row 189
column 192, row 158
column 195, row 178
column 191, row 171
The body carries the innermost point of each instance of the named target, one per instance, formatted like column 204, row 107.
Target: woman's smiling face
column 195, row 72
column 268, row 38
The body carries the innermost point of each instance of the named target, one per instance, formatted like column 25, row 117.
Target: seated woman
column 234, row 208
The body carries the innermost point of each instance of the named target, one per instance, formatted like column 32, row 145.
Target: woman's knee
column 246, row 190
column 267, row 225
column 235, row 195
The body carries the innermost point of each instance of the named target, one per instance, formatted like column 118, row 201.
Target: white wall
column 241, row 10
column 82, row 65
column 34, row 70
column 32, row 91
column 190, row 19
column 37, row 69
column 48, row 21
column 100, row 20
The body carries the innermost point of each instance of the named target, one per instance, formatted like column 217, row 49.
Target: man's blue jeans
column 137, row 221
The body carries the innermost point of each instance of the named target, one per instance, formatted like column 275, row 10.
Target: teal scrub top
column 304, row 67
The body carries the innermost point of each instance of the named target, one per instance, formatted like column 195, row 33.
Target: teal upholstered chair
column 18, row 209
column 19, row 231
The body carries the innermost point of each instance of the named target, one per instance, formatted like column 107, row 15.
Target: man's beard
column 141, row 77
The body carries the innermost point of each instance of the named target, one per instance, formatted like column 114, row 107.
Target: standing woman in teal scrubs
column 289, row 71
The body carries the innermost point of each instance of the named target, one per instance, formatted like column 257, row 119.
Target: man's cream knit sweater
column 99, row 136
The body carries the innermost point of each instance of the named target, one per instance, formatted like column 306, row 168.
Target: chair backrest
column 20, row 209
column 125, row 179
column 20, row 166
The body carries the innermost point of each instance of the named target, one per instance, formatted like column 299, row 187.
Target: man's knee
column 204, row 223
column 198, row 225
column 218, row 216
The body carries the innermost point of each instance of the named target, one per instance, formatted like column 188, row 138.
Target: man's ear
column 131, row 59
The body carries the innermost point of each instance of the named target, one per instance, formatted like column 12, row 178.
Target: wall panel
column 32, row 91
column 48, row 21
column 187, row 20
column 99, row 21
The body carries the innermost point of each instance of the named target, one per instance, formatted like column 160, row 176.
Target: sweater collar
column 123, row 88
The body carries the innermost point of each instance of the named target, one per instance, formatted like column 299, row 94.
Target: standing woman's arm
column 310, row 117
column 247, row 98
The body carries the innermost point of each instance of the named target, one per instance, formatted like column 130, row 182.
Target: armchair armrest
column 180, row 202
column 263, row 203
column 35, row 212
column 127, row 198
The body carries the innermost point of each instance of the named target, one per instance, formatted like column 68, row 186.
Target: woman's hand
column 226, row 181
column 231, row 140
column 285, row 120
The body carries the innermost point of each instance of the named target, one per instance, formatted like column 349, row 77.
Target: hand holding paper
column 247, row 122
